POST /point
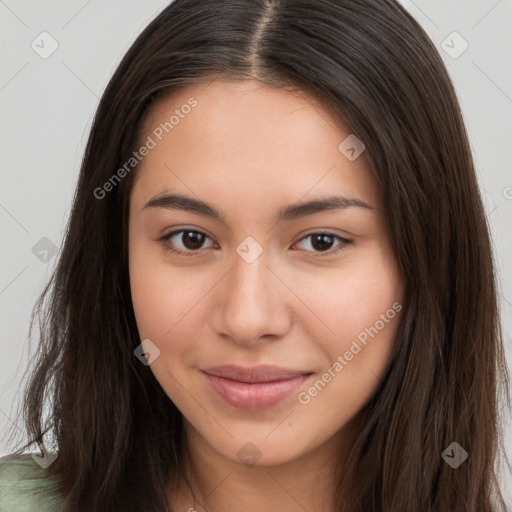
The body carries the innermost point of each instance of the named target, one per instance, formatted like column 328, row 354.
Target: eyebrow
column 287, row 213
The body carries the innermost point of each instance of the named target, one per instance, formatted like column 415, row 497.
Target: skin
column 248, row 150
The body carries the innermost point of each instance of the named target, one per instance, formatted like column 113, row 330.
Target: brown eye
column 322, row 242
column 191, row 241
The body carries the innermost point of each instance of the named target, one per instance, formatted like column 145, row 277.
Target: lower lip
column 254, row 396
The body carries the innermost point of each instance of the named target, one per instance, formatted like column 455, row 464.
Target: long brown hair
column 117, row 433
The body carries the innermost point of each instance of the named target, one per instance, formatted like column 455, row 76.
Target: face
column 272, row 324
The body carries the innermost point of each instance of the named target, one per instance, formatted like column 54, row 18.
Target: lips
column 253, row 374
column 256, row 387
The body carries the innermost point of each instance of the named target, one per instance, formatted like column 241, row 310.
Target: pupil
column 197, row 239
column 325, row 241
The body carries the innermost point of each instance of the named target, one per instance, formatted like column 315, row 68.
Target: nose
column 251, row 303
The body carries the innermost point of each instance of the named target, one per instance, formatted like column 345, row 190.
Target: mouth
column 253, row 388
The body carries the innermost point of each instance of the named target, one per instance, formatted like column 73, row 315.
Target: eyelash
column 337, row 249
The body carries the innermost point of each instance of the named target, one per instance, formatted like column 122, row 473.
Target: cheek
column 164, row 305
column 156, row 301
column 167, row 300
column 160, row 299
column 364, row 311
column 363, row 307
column 355, row 301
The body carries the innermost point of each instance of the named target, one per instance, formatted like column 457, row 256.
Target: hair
column 372, row 65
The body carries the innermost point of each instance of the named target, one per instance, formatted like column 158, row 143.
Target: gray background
column 47, row 106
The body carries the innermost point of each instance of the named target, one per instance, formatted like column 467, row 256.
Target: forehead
column 246, row 139
column 238, row 96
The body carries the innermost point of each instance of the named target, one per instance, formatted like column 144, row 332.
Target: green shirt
column 26, row 487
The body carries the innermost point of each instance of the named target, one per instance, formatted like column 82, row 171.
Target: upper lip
column 263, row 373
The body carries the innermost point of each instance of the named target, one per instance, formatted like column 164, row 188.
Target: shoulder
column 26, row 487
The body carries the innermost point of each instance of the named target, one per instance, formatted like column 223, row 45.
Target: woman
column 276, row 290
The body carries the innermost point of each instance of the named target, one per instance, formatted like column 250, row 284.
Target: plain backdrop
column 47, row 102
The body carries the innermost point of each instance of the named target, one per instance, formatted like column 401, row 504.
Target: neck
column 214, row 483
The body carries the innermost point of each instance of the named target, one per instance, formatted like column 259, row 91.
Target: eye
column 323, row 241
column 190, row 239
column 193, row 240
